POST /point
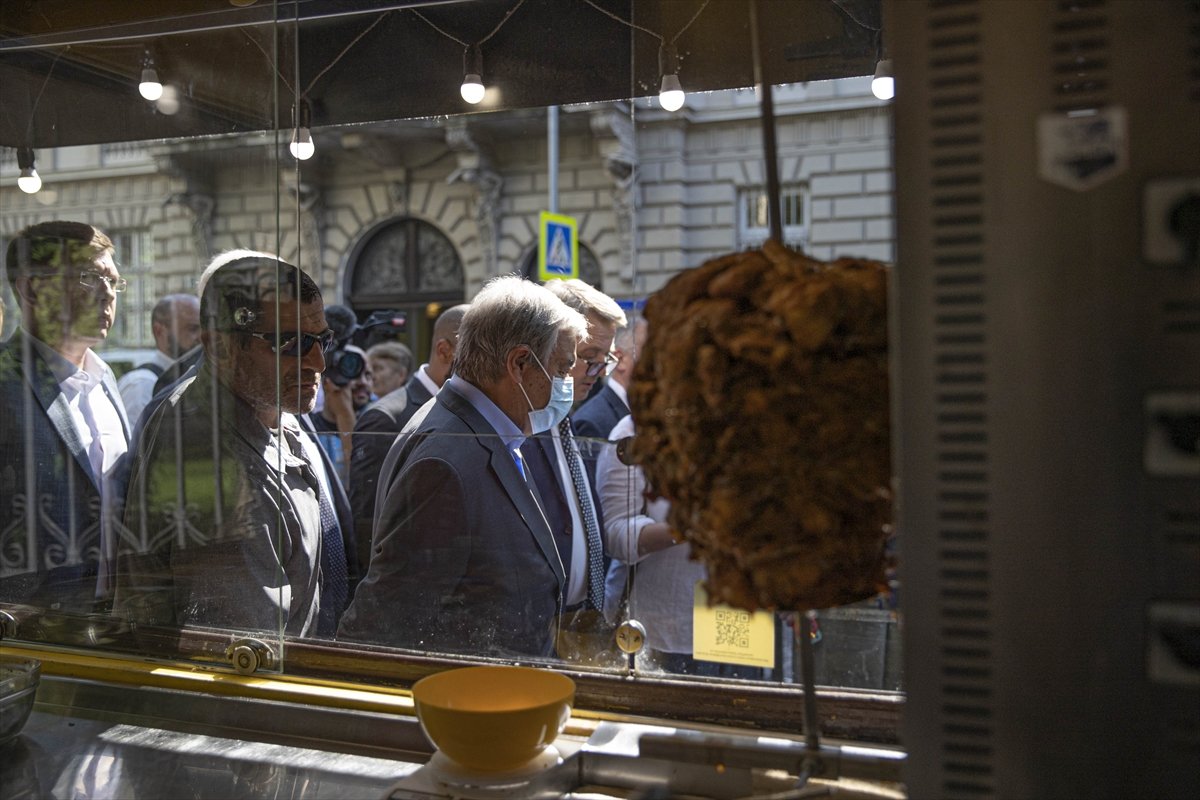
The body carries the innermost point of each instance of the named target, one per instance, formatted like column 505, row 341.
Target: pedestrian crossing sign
column 558, row 247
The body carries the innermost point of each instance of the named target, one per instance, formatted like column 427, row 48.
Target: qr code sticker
column 733, row 628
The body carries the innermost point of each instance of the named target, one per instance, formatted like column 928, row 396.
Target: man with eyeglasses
column 558, row 467
column 63, row 429
column 233, row 518
column 598, row 415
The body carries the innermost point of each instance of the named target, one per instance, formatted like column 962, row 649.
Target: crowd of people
column 261, row 472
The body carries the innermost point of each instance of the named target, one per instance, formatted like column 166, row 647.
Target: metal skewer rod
column 812, row 735
column 770, row 160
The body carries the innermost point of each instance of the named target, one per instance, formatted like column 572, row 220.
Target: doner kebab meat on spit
column 761, row 402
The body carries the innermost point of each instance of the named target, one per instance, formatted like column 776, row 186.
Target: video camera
column 345, row 364
column 381, row 326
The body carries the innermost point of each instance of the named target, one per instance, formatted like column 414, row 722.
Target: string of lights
column 670, row 92
column 301, row 145
column 29, row 181
column 472, row 88
column 883, row 84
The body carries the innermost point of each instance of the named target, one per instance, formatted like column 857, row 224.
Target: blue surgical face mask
column 562, row 397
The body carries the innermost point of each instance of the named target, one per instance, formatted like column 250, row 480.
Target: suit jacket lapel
column 541, row 461
column 340, row 502
column 53, row 402
column 618, row 406
column 114, row 397
column 505, row 469
column 417, row 393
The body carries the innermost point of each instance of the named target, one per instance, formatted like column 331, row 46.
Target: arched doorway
column 590, row 270
column 405, row 265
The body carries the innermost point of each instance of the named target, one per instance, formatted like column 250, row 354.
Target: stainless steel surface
column 62, row 756
column 634, row 760
column 19, row 679
column 766, row 752
column 361, row 732
column 1032, row 335
column 92, row 739
column 8, row 625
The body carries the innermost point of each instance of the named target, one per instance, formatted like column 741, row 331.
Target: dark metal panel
column 81, row 76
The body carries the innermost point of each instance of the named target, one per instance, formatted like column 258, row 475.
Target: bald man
column 175, row 324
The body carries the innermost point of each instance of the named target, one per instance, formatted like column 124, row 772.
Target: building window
column 754, row 226
column 135, row 261
column 406, row 259
column 409, row 267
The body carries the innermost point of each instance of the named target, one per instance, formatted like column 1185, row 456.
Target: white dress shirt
column 426, row 381
column 137, row 386
column 93, row 411
column 101, row 432
column 619, row 390
column 664, row 581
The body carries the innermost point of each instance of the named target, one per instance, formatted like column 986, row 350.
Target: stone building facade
column 415, row 215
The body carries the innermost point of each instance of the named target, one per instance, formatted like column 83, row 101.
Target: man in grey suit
column 379, row 424
column 63, row 430
column 557, row 464
column 463, row 560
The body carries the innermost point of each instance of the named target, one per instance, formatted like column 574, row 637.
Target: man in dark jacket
column 63, row 430
column 380, row 423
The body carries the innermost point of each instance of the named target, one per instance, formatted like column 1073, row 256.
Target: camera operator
column 346, row 386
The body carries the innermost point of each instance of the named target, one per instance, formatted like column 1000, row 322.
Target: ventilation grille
column 1182, row 527
column 1080, row 58
column 1181, row 316
column 960, row 352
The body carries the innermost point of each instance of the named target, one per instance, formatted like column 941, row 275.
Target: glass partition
column 257, row 490
column 131, row 515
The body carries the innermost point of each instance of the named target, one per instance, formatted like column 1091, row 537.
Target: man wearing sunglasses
column 558, row 466
column 63, row 430
column 232, row 515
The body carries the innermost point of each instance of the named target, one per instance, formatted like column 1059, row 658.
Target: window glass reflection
column 210, row 543
column 230, row 519
column 64, row 428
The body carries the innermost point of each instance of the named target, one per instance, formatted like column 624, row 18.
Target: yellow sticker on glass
column 731, row 636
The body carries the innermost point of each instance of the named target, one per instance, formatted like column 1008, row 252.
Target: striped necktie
column 335, row 577
column 595, row 552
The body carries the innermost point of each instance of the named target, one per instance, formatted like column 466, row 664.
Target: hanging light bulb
column 149, row 87
column 301, row 146
column 472, row 86
column 29, row 182
column 168, row 104
column 883, row 85
column 670, row 93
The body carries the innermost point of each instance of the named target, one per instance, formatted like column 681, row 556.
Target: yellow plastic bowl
column 493, row 719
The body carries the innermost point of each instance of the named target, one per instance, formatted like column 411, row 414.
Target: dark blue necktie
column 335, row 587
column 595, row 552
column 335, row 577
